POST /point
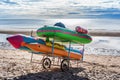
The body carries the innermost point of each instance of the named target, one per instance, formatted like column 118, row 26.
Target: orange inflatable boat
column 48, row 50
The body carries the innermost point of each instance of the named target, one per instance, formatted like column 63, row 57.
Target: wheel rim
column 46, row 63
column 65, row 65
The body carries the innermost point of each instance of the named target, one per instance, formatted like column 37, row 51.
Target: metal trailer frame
column 63, row 62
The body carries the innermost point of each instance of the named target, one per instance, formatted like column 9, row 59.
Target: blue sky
column 90, row 14
column 36, row 9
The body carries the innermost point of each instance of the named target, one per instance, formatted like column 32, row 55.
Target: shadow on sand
column 56, row 74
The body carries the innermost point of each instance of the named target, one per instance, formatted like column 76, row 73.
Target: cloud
column 35, row 0
column 60, row 8
column 8, row 2
column 108, row 2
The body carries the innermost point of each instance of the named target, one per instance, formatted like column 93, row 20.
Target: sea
column 99, row 45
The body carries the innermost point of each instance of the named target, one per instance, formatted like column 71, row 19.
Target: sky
column 90, row 14
column 38, row 9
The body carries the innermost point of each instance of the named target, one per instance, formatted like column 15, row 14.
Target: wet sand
column 16, row 65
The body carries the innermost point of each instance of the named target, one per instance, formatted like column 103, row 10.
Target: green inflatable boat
column 64, row 34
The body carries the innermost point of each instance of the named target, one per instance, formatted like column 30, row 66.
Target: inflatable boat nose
column 6, row 38
column 15, row 40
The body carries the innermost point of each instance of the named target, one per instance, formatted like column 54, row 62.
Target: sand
column 16, row 65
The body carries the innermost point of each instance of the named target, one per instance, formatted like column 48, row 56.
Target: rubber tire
column 48, row 63
column 64, row 67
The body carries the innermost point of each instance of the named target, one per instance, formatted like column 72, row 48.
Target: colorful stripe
column 64, row 33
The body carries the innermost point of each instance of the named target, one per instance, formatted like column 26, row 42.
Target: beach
column 17, row 65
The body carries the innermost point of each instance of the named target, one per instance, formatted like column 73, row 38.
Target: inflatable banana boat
column 64, row 34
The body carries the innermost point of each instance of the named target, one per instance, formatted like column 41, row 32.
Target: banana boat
column 64, row 34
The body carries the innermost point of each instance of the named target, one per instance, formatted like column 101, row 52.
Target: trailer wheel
column 46, row 63
column 64, row 65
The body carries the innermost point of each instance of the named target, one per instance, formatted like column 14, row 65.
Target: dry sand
column 15, row 65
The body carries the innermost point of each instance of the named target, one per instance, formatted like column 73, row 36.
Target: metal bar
column 83, row 52
column 77, row 63
column 53, row 49
column 69, row 49
column 69, row 54
column 32, row 52
column 53, row 46
column 58, row 61
column 32, row 33
column 31, row 57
